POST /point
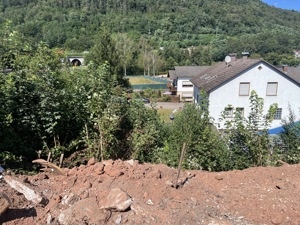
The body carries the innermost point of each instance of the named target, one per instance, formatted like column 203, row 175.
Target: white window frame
column 272, row 88
column 187, row 84
column 228, row 112
column 278, row 114
column 187, row 95
column 244, row 89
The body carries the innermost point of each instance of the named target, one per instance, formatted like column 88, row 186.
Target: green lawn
column 141, row 80
column 164, row 114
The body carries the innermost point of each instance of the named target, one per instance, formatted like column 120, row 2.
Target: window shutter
column 272, row 88
column 244, row 89
column 187, row 84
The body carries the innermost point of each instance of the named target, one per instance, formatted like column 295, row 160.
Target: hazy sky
column 284, row 4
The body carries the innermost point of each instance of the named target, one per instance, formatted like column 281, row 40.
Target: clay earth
column 126, row 192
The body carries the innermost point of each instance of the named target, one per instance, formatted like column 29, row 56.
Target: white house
column 181, row 81
column 230, row 84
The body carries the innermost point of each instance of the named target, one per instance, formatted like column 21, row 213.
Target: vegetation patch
column 142, row 80
column 164, row 114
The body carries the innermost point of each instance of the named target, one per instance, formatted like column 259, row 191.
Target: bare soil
column 263, row 195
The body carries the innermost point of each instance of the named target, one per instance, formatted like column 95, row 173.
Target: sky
column 284, row 4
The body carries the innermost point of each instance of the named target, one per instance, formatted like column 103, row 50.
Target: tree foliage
column 205, row 149
column 51, row 108
column 247, row 138
column 290, row 138
column 212, row 28
column 48, row 107
column 105, row 50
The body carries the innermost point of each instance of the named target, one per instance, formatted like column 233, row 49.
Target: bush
column 205, row 148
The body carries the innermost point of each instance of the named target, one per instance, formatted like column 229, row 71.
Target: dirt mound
column 118, row 192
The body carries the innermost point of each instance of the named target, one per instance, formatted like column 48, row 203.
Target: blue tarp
column 277, row 130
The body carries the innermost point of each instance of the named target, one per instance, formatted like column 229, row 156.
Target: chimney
column 233, row 56
column 285, row 68
column 245, row 55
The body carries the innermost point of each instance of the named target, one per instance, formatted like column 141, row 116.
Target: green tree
column 290, row 137
column 53, row 34
column 201, row 56
column 104, row 114
column 144, row 59
column 105, row 51
column 35, row 96
column 147, row 134
column 205, row 148
column 125, row 48
column 12, row 45
column 112, row 126
column 247, row 138
column 32, row 95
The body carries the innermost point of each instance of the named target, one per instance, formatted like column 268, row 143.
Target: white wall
column 184, row 90
column 228, row 94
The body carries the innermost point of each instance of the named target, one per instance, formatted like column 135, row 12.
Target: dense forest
column 178, row 32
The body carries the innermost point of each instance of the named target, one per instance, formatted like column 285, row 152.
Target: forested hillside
column 212, row 27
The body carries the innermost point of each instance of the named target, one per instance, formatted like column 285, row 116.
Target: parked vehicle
column 142, row 99
column 146, row 100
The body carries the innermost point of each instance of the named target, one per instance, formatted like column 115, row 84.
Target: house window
column 240, row 111
column 228, row 112
column 278, row 114
column 187, row 97
column 187, row 84
column 244, row 89
column 272, row 88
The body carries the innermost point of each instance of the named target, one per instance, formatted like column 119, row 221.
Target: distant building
column 75, row 60
column 181, row 84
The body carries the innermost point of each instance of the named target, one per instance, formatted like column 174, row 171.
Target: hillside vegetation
column 213, row 27
column 50, row 110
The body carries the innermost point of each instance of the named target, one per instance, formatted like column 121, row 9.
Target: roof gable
column 222, row 72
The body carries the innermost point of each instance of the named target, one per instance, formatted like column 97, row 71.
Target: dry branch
column 54, row 168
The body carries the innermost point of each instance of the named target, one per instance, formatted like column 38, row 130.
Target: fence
column 149, row 86
column 163, row 84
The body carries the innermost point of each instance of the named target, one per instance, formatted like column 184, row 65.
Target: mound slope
column 126, row 192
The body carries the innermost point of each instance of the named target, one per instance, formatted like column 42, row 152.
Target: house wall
column 228, row 94
column 186, row 93
column 196, row 94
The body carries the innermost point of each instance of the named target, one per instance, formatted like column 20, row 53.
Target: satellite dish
column 228, row 59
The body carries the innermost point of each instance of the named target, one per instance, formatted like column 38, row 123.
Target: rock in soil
column 117, row 192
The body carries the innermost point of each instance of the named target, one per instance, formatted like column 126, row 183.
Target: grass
column 141, row 80
column 164, row 114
